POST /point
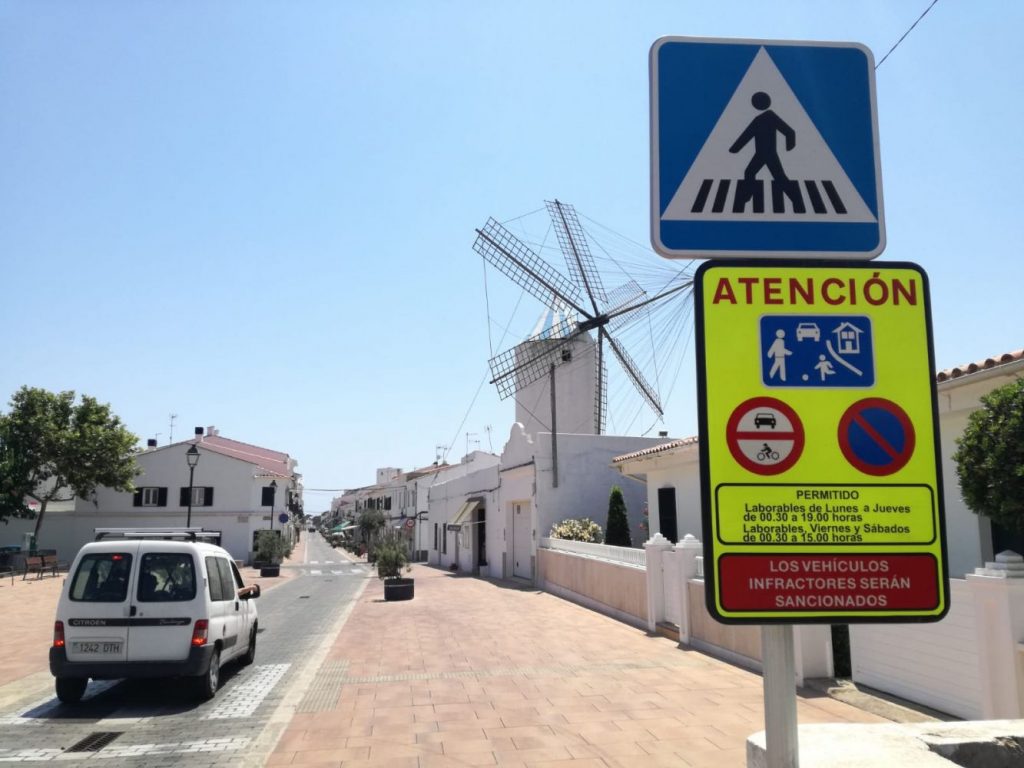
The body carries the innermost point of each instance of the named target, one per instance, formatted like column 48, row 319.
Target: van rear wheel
column 208, row 682
column 71, row 689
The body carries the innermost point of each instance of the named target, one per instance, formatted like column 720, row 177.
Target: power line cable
column 907, row 33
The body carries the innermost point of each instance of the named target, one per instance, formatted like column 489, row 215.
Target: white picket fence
column 970, row 664
column 625, row 555
column 932, row 664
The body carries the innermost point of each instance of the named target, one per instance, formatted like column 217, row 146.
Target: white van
column 151, row 602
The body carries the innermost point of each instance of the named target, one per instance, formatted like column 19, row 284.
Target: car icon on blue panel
column 808, row 331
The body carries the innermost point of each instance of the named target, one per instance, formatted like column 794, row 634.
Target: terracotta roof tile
column 980, row 365
column 272, row 462
column 656, row 449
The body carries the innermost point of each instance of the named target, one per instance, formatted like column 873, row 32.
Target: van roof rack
column 185, row 534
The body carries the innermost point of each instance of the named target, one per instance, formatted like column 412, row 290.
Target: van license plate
column 101, row 647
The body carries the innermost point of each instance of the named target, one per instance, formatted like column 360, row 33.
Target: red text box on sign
column 799, row 582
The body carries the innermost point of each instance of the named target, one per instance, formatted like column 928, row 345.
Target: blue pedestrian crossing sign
column 764, row 148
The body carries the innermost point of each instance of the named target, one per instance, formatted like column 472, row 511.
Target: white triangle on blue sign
column 714, row 188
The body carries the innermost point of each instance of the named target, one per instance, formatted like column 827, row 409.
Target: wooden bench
column 40, row 564
column 51, row 561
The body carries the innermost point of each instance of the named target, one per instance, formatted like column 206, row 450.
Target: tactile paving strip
column 326, row 688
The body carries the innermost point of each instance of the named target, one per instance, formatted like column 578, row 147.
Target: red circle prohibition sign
column 876, row 436
column 745, row 425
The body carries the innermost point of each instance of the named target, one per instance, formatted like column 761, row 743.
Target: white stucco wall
column 687, row 486
column 585, row 480
column 445, row 500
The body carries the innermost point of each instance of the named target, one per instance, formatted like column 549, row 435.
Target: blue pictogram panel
column 816, row 351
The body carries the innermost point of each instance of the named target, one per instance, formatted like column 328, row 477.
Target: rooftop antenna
column 582, row 304
column 170, row 438
column 157, row 437
column 439, row 452
column 475, row 440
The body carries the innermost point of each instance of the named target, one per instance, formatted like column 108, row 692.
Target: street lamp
column 192, row 457
column 273, row 493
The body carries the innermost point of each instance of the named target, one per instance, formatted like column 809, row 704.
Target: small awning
column 343, row 527
column 466, row 511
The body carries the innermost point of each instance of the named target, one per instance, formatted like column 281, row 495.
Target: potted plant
column 391, row 559
column 270, row 551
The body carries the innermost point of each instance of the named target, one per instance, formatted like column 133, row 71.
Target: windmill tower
column 563, row 341
column 575, row 370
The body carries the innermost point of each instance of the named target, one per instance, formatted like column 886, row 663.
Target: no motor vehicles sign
column 822, row 497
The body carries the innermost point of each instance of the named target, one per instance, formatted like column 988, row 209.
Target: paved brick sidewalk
column 475, row 673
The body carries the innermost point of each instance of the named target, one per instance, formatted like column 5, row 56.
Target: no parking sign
column 820, row 481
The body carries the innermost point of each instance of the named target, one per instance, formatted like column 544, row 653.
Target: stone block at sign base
column 973, row 744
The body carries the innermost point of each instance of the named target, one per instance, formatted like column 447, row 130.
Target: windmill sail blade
column 601, row 396
column 573, row 243
column 633, row 372
column 525, row 268
column 518, row 367
column 621, row 299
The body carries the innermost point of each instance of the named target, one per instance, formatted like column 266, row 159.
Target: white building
column 672, row 470
column 232, row 492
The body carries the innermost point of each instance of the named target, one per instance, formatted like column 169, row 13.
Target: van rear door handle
column 133, row 610
column 236, row 605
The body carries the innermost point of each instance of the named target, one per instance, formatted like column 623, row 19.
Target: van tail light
column 200, row 632
column 58, row 634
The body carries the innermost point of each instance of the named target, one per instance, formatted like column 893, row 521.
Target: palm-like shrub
column 391, row 556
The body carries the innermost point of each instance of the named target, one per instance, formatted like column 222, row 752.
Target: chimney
column 199, row 433
column 212, row 431
column 663, row 433
column 151, row 443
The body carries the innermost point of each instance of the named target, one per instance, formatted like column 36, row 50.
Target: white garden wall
column 932, row 664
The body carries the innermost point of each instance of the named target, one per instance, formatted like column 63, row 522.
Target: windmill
column 578, row 306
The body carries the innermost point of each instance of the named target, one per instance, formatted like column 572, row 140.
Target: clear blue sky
column 260, row 215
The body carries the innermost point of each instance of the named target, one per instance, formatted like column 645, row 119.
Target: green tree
column 990, row 457
column 53, row 449
column 617, row 529
column 370, row 522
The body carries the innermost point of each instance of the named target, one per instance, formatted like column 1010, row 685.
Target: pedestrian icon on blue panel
column 817, row 351
column 778, row 354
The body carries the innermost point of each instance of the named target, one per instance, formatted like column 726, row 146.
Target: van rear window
column 102, row 578
column 166, row 577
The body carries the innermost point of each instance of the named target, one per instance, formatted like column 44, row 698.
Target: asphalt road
column 158, row 722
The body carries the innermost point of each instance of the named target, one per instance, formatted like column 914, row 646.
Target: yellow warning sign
column 820, row 478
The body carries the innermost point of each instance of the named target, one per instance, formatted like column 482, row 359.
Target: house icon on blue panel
column 847, row 338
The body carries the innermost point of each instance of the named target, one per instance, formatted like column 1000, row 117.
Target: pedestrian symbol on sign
column 726, row 181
